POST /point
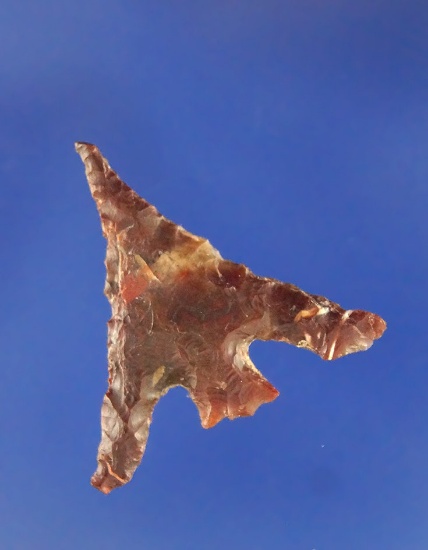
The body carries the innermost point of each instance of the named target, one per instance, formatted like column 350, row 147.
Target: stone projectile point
column 184, row 316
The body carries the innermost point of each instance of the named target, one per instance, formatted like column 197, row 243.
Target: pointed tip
column 79, row 143
column 81, row 146
column 91, row 157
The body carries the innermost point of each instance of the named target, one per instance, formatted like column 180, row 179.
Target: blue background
column 291, row 134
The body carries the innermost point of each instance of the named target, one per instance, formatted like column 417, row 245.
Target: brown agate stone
column 184, row 316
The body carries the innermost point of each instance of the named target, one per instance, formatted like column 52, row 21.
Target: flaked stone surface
column 184, row 316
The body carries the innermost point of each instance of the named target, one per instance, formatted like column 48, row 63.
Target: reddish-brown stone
column 181, row 315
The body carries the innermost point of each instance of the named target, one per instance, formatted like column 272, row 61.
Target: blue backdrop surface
column 292, row 135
